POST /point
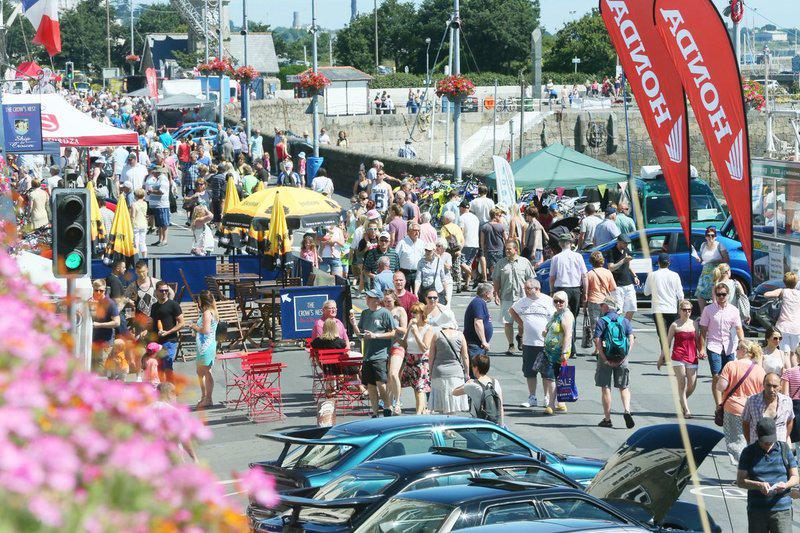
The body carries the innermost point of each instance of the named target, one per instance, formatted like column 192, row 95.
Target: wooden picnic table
column 227, row 281
column 267, row 307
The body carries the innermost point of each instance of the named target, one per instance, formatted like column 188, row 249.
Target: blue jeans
column 332, row 265
column 717, row 361
column 169, row 358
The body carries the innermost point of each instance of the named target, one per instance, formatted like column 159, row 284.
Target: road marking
column 644, row 330
column 234, row 493
column 717, row 491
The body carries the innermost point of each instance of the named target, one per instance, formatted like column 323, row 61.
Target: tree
column 585, row 38
column 83, row 37
column 354, row 44
column 152, row 18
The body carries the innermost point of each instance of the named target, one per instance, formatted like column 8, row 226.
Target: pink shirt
column 151, row 372
column 317, row 331
column 721, row 323
column 427, row 233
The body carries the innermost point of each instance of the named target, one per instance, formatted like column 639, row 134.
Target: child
column 150, row 364
column 203, row 236
column 116, row 364
column 301, row 167
column 308, row 250
column 139, row 217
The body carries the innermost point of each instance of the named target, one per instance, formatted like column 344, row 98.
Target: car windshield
column 406, row 515
column 319, row 456
column 353, row 485
column 661, row 210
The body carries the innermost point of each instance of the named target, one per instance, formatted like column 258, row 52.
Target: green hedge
column 289, row 70
column 403, row 80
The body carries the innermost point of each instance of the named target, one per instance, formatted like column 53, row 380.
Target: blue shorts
column 161, row 217
column 529, row 355
column 717, row 361
column 169, row 357
column 468, row 254
column 475, row 349
column 331, row 264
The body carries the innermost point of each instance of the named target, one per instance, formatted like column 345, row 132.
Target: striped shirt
column 372, row 257
column 754, row 411
column 792, row 376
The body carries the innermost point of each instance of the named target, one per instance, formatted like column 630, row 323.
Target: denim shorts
column 717, row 362
column 169, row 357
column 529, row 355
column 161, row 217
column 332, row 264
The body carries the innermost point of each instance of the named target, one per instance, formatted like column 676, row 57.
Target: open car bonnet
column 651, row 469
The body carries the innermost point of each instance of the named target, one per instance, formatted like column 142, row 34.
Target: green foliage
column 401, row 79
column 188, row 59
column 289, row 43
column 83, row 37
column 585, row 38
column 289, row 70
column 354, row 44
column 569, row 78
column 257, row 27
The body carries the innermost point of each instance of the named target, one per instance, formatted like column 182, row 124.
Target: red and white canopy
column 63, row 123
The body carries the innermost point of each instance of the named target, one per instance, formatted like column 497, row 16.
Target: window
column 406, row 445
column 577, row 508
column 531, row 474
column 482, row 439
column 447, row 480
column 513, row 512
column 402, row 515
column 322, row 456
column 358, row 483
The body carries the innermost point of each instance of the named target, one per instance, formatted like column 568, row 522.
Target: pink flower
column 46, row 511
column 260, row 487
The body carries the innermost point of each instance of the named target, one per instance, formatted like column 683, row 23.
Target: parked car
column 649, row 468
column 557, row 525
column 312, row 457
column 198, row 130
column 374, row 482
column 671, row 241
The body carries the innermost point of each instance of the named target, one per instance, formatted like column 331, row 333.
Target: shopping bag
column 566, row 389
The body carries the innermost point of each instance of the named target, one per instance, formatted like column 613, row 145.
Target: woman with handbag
column 416, row 370
column 557, row 349
column 601, row 285
column 682, row 337
column 712, row 253
column 738, row 380
column 449, row 363
column 430, row 274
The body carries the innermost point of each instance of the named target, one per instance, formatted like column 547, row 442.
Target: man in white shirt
column 667, row 291
column 157, row 188
column 410, row 250
column 588, row 225
column 134, row 171
column 324, row 138
column 531, row 313
column 55, row 178
column 470, row 226
column 482, row 205
column 381, row 193
column 372, row 173
column 322, row 183
column 568, row 274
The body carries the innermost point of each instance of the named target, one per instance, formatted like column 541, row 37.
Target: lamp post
column 219, row 56
column 315, row 118
column 427, row 61
column 456, row 25
column 132, row 47
column 375, row 16
column 576, row 61
column 245, row 85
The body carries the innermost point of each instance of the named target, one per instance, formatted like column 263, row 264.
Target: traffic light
column 71, row 233
column 69, row 70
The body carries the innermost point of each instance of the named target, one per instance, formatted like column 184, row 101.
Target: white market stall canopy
column 67, row 125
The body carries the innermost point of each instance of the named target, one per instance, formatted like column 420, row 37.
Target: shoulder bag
column 719, row 413
column 742, row 303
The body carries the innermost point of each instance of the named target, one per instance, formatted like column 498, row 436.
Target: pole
column 315, row 118
column 219, row 56
column 246, row 85
column 330, row 48
column 447, row 120
column 375, row 16
column 457, row 110
column 433, row 124
column 511, row 141
column 205, row 39
column 427, row 61
column 737, row 43
column 770, row 147
column 521, row 114
column 108, row 37
column 494, row 121
column 132, row 47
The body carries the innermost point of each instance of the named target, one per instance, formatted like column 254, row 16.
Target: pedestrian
column 717, row 322
column 105, row 318
column 449, row 363
column 493, row 237
column 568, row 274
column 39, row 204
column 556, row 351
column 377, row 327
column 790, row 386
column 206, row 344
column 166, row 320
column 769, row 403
column 397, row 226
column 384, row 279
column 116, row 364
column 483, row 391
column 600, row 285
column 682, row 336
column 331, row 246
column 607, row 230
column 416, row 370
column 532, row 313
column 470, row 227
column 775, row 360
column 372, row 257
column 787, row 323
column 712, row 253
column 666, row 289
column 167, row 398
column 508, row 277
column 427, row 232
column 322, row 183
column 768, row 470
column 613, row 337
column 589, row 223
column 381, row 192
column 534, row 237
column 410, row 250
column 150, row 365
column 447, row 264
column 203, row 243
column 619, row 263
column 435, row 313
column 482, row 206
column 430, row 274
column 739, row 380
column 478, row 328
column 157, row 186
column 396, row 352
column 329, row 311
column 114, row 283
column 405, row 298
column 308, row 250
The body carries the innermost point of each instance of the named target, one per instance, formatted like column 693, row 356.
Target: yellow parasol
column 279, row 242
column 231, row 196
column 120, row 242
column 98, row 229
column 259, row 186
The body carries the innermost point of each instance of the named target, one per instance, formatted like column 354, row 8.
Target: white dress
column 773, row 362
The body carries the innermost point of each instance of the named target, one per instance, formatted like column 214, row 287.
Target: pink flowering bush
column 754, row 95
column 455, row 87
column 79, row 453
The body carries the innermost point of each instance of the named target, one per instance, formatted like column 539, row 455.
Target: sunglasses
column 433, row 297
column 163, row 290
column 687, row 309
column 721, row 294
column 559, row 302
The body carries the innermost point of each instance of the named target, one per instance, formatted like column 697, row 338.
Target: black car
column 368, row 486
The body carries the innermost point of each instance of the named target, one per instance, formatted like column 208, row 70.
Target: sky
column 334, row 14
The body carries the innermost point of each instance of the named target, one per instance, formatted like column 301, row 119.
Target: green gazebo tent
column 559, row 166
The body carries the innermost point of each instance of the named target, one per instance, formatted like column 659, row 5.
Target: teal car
column 658, row 208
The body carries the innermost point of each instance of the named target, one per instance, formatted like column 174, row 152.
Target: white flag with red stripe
column 43, row 15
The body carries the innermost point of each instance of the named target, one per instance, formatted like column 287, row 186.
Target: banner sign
column 22, row 125
column 152, row 82
column 657, row 88
column 697, row 41
column 504, row 178
column 301, row 307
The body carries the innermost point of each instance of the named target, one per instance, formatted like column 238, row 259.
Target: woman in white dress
column 775, row 360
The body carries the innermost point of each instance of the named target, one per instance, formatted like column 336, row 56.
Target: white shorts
column 505, row 306
column 684, row 364
column 789, row 342
column 626, row 298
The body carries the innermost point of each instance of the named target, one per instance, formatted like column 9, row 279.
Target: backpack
column 489, row 407
column 615, row 341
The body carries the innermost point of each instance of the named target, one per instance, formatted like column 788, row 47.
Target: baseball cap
column 154, row 347
column 624, row 238
column 766, row 431
column 565, row 237
column 384, row 235
column 464, row 203
column 610, row 210
column 373, row 214
column 374, row 293
column 663, row 258
column 127, row 185
column 430, row 246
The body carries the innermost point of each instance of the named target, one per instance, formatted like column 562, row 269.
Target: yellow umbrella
column 279, row 242
column 121, row 238
column 98, row 229
column 231, row 196
column 259, row 186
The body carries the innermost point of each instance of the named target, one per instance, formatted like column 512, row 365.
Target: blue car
column 312, row 457
column 671, row 241
column 198, row 130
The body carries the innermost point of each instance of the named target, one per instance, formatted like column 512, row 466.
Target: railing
column 194, row 19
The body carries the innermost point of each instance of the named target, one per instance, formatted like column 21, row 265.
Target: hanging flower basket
column 245, row 74
column 132, row 58
column 455, row 88
column 216, row 67
column 754, row 95
column 312, row 83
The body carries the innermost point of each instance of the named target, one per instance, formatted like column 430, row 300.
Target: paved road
column 234, row 443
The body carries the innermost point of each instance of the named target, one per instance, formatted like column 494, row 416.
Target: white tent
column 67, row 125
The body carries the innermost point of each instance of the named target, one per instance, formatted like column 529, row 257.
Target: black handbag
column 586, row 342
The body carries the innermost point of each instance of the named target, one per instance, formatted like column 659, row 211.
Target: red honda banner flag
column 152, row 82
column 657, row 88
column 697, row 41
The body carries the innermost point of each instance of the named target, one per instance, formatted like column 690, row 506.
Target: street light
column 576, row 61
column 427, row 61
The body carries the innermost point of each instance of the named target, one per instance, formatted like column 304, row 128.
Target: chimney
column 353, row 9
column 296, row 20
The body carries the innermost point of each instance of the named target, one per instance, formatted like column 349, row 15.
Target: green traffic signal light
column 73, row 260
